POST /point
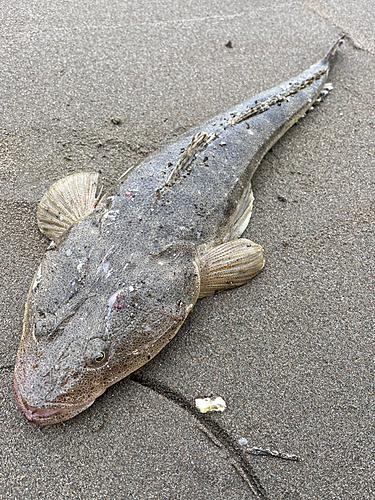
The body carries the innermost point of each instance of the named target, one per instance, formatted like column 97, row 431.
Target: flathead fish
column 124, row 270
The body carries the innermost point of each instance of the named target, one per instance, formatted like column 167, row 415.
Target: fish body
column 116, row 285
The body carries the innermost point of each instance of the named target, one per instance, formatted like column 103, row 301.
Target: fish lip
column 52, row 414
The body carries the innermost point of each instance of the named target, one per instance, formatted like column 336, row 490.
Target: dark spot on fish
column 205, row 158
column 116, row 121
column 148, row 356
column 281, row 198
column 229, row 45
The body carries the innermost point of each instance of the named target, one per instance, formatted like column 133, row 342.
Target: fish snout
column 35, row 414
column 31, row 413
column 50, row 413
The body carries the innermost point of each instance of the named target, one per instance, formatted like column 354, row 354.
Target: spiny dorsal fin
column 67, row 201
column 198, row 139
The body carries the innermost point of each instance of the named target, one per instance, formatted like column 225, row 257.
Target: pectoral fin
column 67, row 201
column 229, row 265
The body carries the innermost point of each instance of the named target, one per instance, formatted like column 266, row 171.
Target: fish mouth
column 52, row 414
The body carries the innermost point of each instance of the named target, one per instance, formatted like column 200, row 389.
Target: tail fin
column 332, row 51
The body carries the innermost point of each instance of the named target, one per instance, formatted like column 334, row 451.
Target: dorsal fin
column 67, row 201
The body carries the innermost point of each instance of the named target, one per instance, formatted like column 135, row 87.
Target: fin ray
column 229, row 265
column 241, row 217
column 67, row 201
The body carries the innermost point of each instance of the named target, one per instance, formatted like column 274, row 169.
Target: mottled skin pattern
column 119, row 284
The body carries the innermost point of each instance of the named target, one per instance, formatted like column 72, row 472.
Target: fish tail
column 332, row 51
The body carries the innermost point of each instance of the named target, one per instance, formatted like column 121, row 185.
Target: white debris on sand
column 205, row 405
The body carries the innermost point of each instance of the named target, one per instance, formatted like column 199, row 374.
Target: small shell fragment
column 205, row 405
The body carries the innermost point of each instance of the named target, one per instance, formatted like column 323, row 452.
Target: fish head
column 72, row 350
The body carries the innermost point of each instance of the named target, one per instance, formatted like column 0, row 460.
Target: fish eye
column 45, row 325
column 96, row 353
column 99, row 357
